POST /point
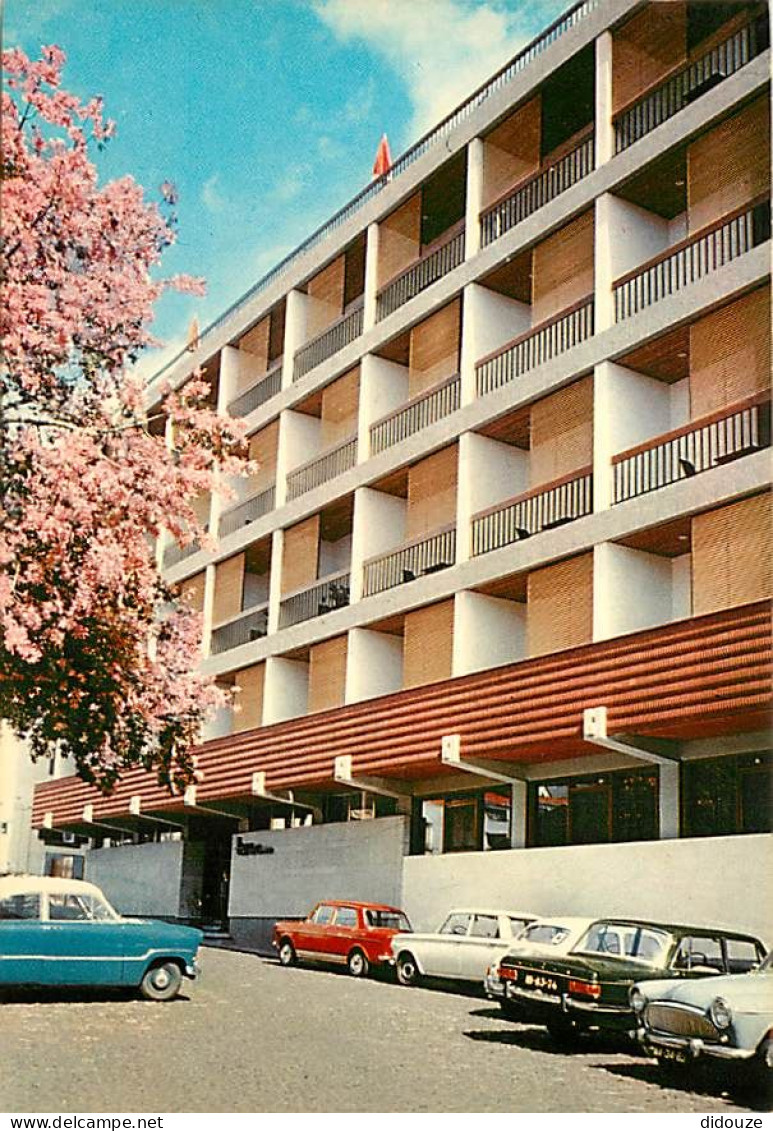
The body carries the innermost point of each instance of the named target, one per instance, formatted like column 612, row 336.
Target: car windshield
column 626, row 941
column 391, row 920
column 74, row 906
column 767, row 966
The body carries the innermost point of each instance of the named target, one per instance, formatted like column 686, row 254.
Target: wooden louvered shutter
column 428, row 644
column 646, row 49
column 730, row 354
column 562, row 269
column 434, row 349
column 326, row 297
column 562, row 432
column 399, row 239
column 327, row 674
column 249, row 698
column 512, row 150
column 192, row 591
column 432, row 493
column 729, row 166
column 559, row 610
column 263, row 448
column 339, row 408
column 300, row 555
column 732, row 555
column 229, row 589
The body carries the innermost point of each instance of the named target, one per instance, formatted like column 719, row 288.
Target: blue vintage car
column 728, row 1017
column 57, row 932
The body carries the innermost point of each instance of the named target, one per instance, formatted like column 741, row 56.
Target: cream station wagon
column 464, row 947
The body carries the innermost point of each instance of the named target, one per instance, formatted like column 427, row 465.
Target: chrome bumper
column 494, row 987
column 691, row 1046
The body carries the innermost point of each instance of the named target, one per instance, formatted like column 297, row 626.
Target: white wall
column 20, row 848
column 300, row 439
column 334, row 557
column 490, row 320
column 686, row 881
column 489, row 472
column 628, row 408
column 383, row 388
column 374, row 664
column 488, row 631
column 378, row 526
column 285, row 689
column 139, row 879
column 631, row 590
column 626, row 236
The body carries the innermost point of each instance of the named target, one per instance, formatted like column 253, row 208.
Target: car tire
column 357, row 964
column 563, row 1032
column 287, row 955
column 761, row 1070
column 407, row 970
column 161, row 982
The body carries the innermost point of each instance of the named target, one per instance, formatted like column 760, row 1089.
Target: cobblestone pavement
column 251, row 1036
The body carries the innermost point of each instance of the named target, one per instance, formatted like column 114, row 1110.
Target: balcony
column 242, row 629
column 417, row 414
column 326, row 595
column 710, row 442
column 689, row 83
column 429, row 554
column 257, row 394
column 248, row 511
column 539, row 190
column 535, row 347
column 693, row 258
column 322, row 469
column 329, row 342
column 433, row 265
column 543, row 508
column 174, row 553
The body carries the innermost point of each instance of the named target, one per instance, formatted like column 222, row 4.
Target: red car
column 355, row 935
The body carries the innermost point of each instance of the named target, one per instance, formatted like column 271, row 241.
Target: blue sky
column 266, row 114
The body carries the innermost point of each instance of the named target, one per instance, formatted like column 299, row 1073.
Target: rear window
column 545, row 934
column 626, row 940
column 22, row 906
column 388, row 920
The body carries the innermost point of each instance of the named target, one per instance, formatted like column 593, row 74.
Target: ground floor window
column 461, row 822
column 594, row 809
column 724, row 796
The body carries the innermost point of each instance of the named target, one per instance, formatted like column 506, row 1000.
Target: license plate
column 676, row 1055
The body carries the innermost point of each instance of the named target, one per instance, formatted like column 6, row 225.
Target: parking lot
column 251, row 1036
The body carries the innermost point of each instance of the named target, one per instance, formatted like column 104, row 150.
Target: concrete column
column 669, row 801
column 285, row 690
column 518, row 816
column 605, row 134
column 374, row 664
column 475, row 151
column 209, row 603
column 383, row 388
column 275, row 581
column 371, row 278
column 229, row 377
column 489, row 472
column 489, row 321
column 488, row 631
column 299, row 441
column 295, row 333
column 626, row 237
column 632, row 590
column 378, row 526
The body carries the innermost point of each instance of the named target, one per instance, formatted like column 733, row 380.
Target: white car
column 465, row 946
column 542, row 936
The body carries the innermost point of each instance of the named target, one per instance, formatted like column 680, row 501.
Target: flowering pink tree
column 97, row 654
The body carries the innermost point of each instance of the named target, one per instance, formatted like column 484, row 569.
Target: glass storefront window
column 595, row 809
column 729, row 795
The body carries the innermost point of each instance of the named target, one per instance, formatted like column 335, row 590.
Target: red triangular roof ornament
column 383, row 162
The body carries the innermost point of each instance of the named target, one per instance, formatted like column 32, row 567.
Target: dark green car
column 589, row 987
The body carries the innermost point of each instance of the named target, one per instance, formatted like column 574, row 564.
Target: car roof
column 359, row 903
column 24, row 885
column 676, row 928
column 568, row 922
column 492, row 911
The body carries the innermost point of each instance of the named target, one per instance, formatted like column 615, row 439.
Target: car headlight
column 637, row 999
column 720, row 1013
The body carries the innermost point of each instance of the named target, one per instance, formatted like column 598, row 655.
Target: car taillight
column 586, row 989
column 507, row 974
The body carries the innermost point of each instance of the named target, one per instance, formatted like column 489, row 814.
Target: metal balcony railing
column 539, row 190
column 689, row 83
column 323, row 597
column 432, row 266
column 257, row 394
column 248, row 511
column 242, row 629
column 425, row 555
column 174, row 553
column 535, row 347
column 693, row 258
column 714, row 440
column 417, row 414
column 542, row 508
column 321, row 470
column 343, row 331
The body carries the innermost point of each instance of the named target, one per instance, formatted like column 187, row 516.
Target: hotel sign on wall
column 247, row 849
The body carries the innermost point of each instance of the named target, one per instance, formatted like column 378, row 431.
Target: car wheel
column 407, row 970
column 761, row 1069
column 357, row 964
column 161, row 982
column 564, row 1032
column 287, row 956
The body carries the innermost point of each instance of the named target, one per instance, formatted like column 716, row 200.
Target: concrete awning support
column 506, row 772
column 384, row 787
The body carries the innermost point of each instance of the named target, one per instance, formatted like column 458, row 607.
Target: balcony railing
column 691, row 259
column 174, row 553
column 710, row 442
column 322, row 469
column 425, row 555
column 432, row 266
column 257, row 394
column 242, row 629
column 417, row 414
column 690, row 83
column 539, row 190
column 330, row 341
column 330, row 593
column 535, row 347
column 543, row 508
column 248, row 511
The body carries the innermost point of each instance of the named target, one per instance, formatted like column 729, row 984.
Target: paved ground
column 253, row 1037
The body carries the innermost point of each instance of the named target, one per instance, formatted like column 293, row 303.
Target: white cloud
column 441, row 49
column 292, row 182
column 211, row 196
